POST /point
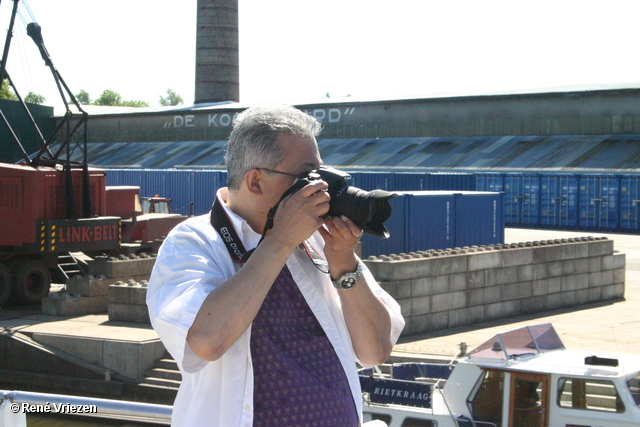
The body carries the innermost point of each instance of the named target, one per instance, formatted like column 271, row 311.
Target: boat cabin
column 522, row 378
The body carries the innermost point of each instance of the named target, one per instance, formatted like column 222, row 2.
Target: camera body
column 367, row 209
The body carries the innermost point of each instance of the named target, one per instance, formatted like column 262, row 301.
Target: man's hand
column 301, row 214
column 341, row 236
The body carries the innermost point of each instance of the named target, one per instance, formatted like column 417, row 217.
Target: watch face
column 347, row 282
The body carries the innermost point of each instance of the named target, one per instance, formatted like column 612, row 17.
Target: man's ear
column 253, row 181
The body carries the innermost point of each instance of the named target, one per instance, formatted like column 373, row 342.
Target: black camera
column 368, row 209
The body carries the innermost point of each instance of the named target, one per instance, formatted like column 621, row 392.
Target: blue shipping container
column 559, row 200
column 598, row 199
column 630, row 203
column 425, row 220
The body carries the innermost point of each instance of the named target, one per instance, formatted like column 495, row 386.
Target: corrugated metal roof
column 568, row 153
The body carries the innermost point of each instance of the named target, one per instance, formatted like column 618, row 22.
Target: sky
column 298, row 51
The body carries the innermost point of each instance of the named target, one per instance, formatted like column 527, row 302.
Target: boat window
column 634, row 387
column 486, row 402
column 526, row 341
column 594, row 395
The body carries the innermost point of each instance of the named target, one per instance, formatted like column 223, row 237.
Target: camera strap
column 222, row 224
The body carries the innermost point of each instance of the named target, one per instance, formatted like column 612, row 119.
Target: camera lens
column 368, row 209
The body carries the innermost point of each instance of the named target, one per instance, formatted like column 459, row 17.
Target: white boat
column 522, row 378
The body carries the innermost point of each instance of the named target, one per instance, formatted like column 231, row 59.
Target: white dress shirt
column 193, row 261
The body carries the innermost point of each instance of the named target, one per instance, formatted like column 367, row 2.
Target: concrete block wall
column 440, row 289
column 89, row 294
column 127, row 302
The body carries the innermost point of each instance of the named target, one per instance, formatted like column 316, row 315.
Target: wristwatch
column 348, row 280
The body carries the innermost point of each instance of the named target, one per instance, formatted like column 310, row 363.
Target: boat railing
column 15, row 406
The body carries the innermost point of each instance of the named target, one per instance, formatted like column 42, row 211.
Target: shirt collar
column 248, row 236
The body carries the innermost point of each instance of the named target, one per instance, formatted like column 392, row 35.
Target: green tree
column 83, row 97
column 34, row 98
column 114, row 99
column 171, row 99
column 136, row 104
column 6, row 92
column 109, row 97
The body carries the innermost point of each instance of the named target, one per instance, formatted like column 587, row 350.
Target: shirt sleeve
column 185, row 272
column 393, row 308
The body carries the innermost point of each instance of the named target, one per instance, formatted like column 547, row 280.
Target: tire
column 31, row 281
column 5, row 284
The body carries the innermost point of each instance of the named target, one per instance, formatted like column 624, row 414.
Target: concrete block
column 405, row 307
column 63, row 304
column 554, row 269
column 502, row 309
column 600, row 247
column 607, row 277
column 392, row 289
column 475, row 297
column 419, row 324
column 458, row 282
column 539, row 271
column 475, row 279
column 437, row 321
column 534, row 304
column 460, row 317
column 575, row 250
column 554, row 301
column 140, row 267
column 448, row 301
column 88, row 349
column 485, row 260
column 449, row 265
column 581, row 265
column 595, row 264
column 513, row 257
column 525, row 273
column 582, row 281
column 554, row 284
column 568, row 267
column 420, row 305
column 581, row 297
column 492, row 295
column 490, row 277
column 619, row 276
column 128, row 313
column 408, row 327
column 569, row 283
column 506, row 275
column 518, row 290
column 596, row 279
column 542, row 254
column 567, row 299
column 131, row 359
column 594, row 294
column 540, row 287
column 476, row 314
column 88, row 286
column 613, row 262
column 613, row 292
column 124, row 294
column 439, row 284
column 420, row 287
